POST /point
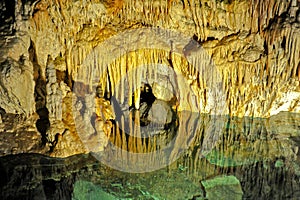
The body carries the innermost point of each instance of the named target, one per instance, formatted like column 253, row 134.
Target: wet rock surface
column 224, row 187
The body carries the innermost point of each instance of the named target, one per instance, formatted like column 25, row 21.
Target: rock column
column 54, row 94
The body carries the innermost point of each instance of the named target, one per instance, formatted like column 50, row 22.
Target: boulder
column 163, row 92
column 223, row 187
column 160, row 112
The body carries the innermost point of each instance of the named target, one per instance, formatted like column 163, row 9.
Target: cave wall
column 237, row 57
column 254, row 46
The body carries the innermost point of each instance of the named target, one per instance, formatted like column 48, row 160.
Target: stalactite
column 118, row 140
column 123, row 131
column 137, row 134
column 130, row 138
column 137, row 89
column 111, row 80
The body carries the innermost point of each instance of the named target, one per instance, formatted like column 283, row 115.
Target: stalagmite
column 137, row 90
column 54, row 93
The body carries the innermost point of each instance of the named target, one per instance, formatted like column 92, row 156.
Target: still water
column 203, row 157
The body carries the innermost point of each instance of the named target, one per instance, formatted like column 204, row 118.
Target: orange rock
column 107, row 128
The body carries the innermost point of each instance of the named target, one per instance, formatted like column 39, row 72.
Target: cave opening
column 150, row 126
column 298, row 72
column 152, row 110
column 146, row 100
column 10, row 9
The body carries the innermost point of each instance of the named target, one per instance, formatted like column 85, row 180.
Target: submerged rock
column 223, row 187
column 88, row 190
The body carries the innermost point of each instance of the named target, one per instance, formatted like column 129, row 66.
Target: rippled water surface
column 205, row 158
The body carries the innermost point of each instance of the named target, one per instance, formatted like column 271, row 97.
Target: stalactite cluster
column 237, row 58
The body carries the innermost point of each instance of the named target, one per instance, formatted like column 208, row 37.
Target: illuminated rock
column 237, row 58
column 160, row 112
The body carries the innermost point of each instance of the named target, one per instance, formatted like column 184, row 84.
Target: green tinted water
column 251, row 158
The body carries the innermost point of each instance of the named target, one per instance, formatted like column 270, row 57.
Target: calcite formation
column 217, row 57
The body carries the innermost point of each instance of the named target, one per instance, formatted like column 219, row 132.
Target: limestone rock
column 228, row 35
column 88, row 190
column 160, row 112
column 223, row 187
column 66, row 144
column 287, row 102
column 103, row 109
column 19, row 134
column 163, row 91
column 54, row 93
column 17, row 87
column 237, row 58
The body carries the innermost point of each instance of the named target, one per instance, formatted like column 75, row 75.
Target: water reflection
column 252, row 158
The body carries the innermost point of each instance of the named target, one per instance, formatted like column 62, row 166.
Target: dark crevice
column 203, row 189
column 195, row 37
column 184, row 4
column 40, row 82
column 9, row 11
column 68, row 79
column 277, row 19
column 266, row 50
column 43, row 123
column 283, row 42
column 211, row 39
column 2, row 112
column 147, row 95
column 54, row 143
column 227, row 1
column 146, row 100
column 60, row 76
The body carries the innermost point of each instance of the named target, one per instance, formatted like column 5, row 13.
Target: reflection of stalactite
column 261, row 172
column 257, row 142
column 256, row 181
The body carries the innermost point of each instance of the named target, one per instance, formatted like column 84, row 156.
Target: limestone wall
column 254, row 46
column 218, row 57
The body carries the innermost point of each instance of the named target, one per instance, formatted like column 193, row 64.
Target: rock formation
column 237, row 58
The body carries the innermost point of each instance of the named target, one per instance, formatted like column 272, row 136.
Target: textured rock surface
column 254, row 45
column 224, row 187
column 87, row 190
column 240, row 58
column 17, row 87
column 20, row 136
column 160, row 112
